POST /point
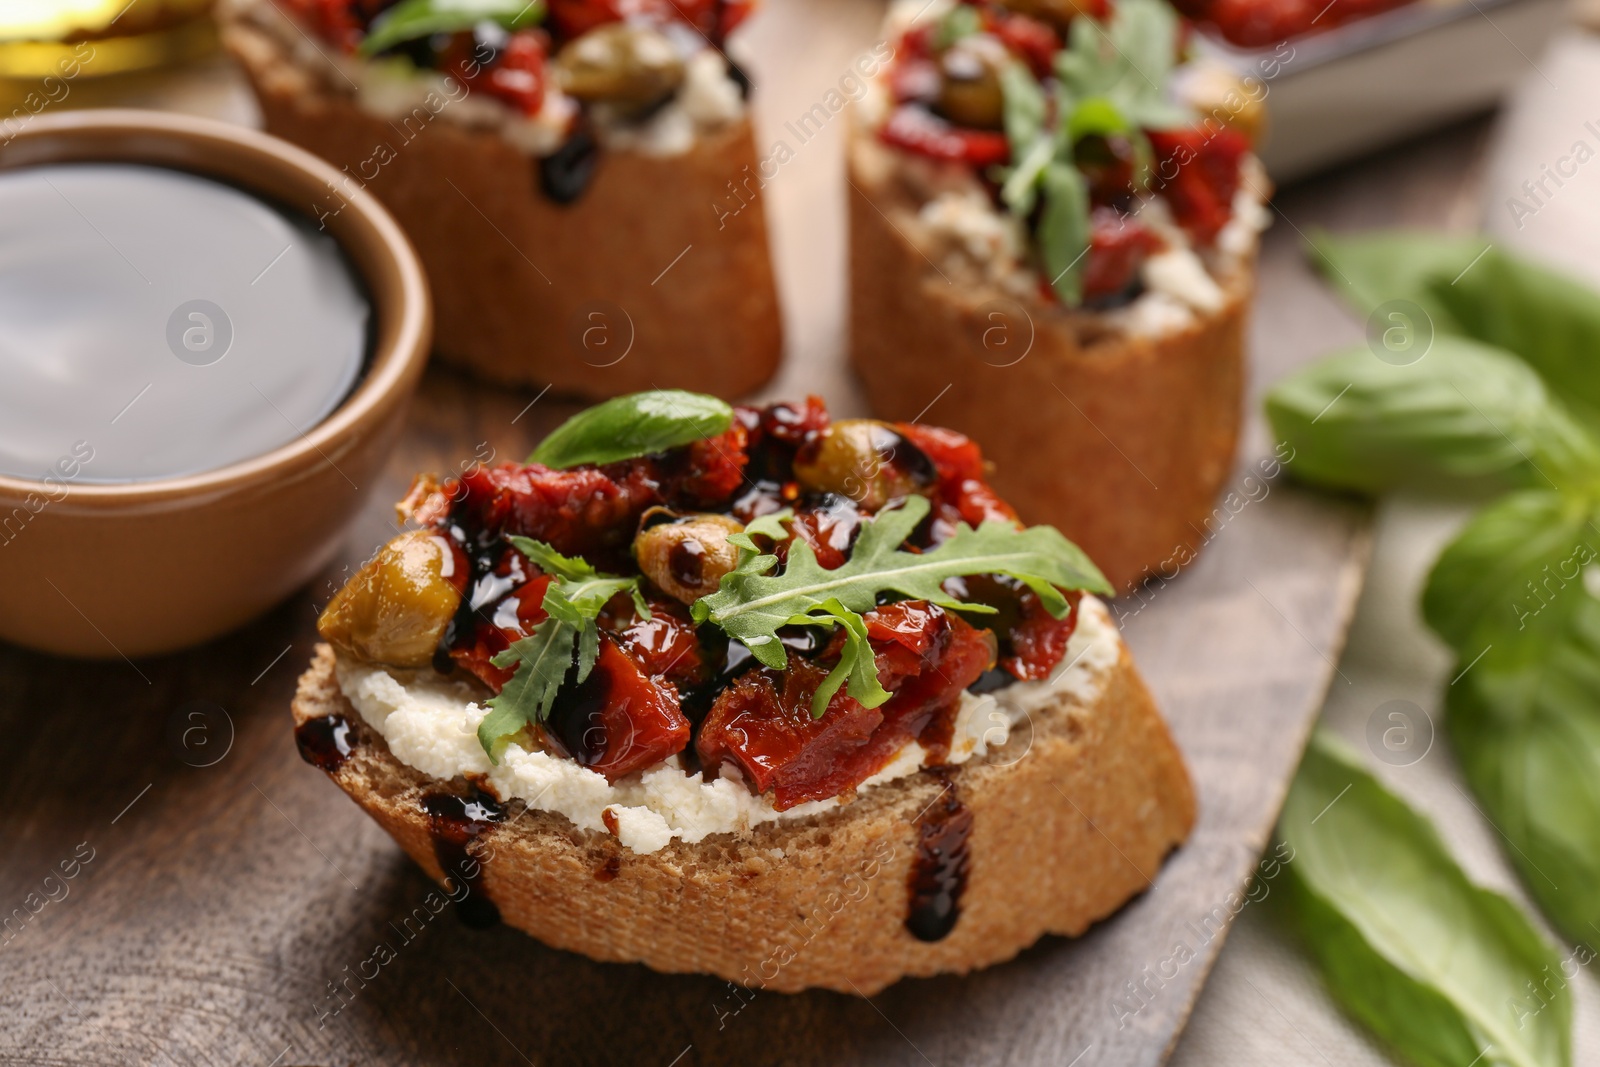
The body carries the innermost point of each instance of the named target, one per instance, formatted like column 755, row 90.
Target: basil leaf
column 1063, row 233
column 1472, row 288
column 1508, row 594
column 1435, row 965
column 1537, row 771
column 412, row 19
column 626, row 427
column 1464, row 413
column 1511, row 579
column 1548, row 319
column 1374, row 268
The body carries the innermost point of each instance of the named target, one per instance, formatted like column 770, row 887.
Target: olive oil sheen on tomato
column 155, row 323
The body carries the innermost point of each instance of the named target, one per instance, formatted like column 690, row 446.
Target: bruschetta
column 558, row 166
column 748, row 692
column 1052, row 246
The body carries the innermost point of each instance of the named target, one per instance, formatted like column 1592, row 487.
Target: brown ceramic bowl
column 140, row 568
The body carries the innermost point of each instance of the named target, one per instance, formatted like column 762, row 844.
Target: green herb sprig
column 1111, row 80
column 1437, row 966
column 1505, row 399
column 753, row 601
column 638, row 424
column 411, row 19
column 566, row 643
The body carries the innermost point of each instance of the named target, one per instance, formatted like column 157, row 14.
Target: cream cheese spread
column 431, row 724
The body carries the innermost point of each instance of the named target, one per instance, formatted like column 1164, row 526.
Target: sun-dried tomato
column 583, row 511
column 829, row 524
column 617, row 720
column 518, row 75
column 1118, row 246
column 963, row 495
column 705, row 474
column 1034, row 41
column 665, row 646
column 491, row 628
column 775, row 433
column 762, row 724
column 1031, row 640
column 918, row 130
column 1197, row 171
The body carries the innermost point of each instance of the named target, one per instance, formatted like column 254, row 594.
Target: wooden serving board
column 227, row 905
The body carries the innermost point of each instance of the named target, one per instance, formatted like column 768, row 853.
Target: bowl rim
column 395, row 362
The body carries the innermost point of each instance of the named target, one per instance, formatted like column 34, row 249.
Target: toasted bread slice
column 1120, row 440
column 1068, row 820
column 589, row 297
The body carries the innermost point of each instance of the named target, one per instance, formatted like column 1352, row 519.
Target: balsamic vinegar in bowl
column 155, row 323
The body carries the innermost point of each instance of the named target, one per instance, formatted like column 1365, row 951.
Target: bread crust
column 517, row 279
column 1121, row 442
column 1070, row 819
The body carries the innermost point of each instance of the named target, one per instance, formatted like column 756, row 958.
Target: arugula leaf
column 1100, row 116
column 543, row 659
column 1464, row 413
column 1064, row 229
column 960, row 21
column 638, row 424
column 1127, row 61
column 1111, row 79
column 752, row 604
column 411, row 19
column 768, row 525
column 1023, row 106
column 1437, row 966
column 1020, row 190
column 856, row 663
column 582, row 591
column 565, row 645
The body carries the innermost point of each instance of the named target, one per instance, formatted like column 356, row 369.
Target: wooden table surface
column 225, row 893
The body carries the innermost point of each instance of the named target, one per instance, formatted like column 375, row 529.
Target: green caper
column 866, row 460
column 969, row 85
column 621, row 63
column 1221, row 95
column 398, row 605
column 686, row 556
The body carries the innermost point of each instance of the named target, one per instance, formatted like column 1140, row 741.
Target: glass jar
column 43, row 39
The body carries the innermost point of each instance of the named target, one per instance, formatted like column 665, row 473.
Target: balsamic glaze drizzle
column 325, row 743
column 941, row 865
column 455, row 822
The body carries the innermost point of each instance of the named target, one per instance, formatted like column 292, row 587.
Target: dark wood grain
column 235, row 896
